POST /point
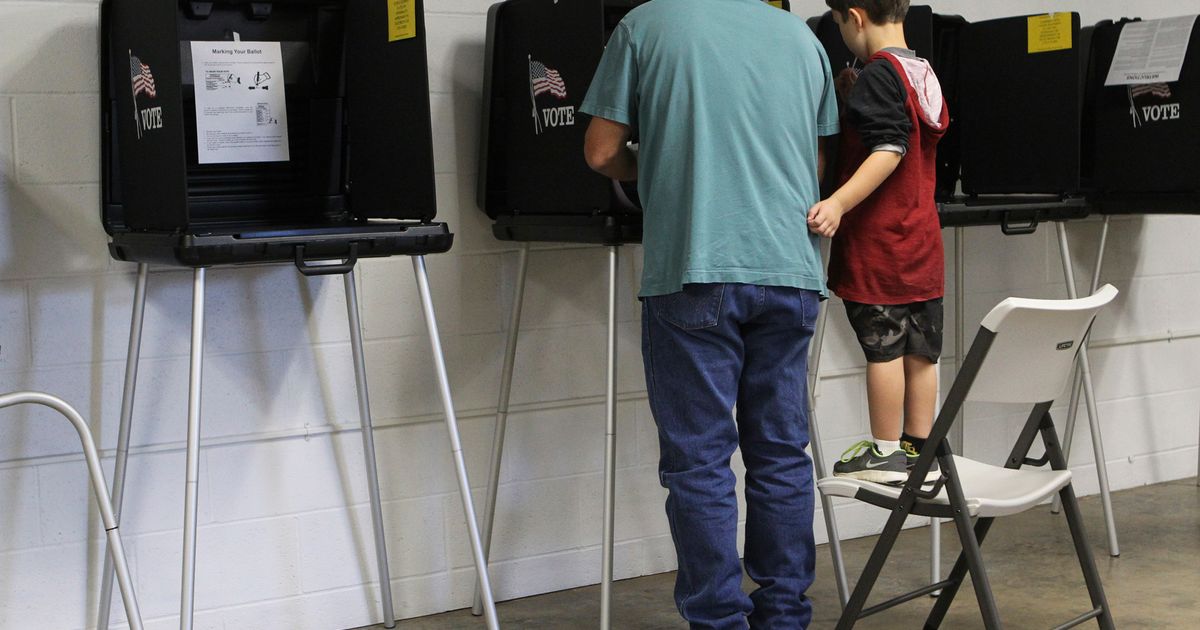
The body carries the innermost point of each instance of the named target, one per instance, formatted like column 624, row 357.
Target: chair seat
column 989, row 490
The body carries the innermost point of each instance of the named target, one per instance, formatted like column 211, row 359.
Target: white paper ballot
column 1151, row 51
column 241, row 113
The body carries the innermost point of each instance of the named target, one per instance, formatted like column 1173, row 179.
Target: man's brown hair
column 879, row 11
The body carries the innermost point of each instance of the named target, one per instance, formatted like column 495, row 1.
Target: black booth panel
column 918, row 32
column 308, row 187
column 1152, row 152
column 933, row 37
column 145, row 171
column 1020, row 112
column 534, row 167
column 391, row 138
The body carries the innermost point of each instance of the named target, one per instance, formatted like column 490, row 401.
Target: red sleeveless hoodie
column 888, row 250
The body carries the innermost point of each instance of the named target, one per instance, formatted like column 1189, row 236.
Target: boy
column 887, row 262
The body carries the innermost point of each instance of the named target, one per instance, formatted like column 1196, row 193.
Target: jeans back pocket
column 696, row 306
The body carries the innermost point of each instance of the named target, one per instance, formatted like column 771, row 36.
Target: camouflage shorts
column 892, row 331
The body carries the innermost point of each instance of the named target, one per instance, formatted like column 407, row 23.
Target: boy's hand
column 825, row 217
column 845, row 82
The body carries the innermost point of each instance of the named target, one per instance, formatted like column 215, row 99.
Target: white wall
column 284, row 537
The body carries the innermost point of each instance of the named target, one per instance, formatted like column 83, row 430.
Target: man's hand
column 606, row 149
column 825, row 217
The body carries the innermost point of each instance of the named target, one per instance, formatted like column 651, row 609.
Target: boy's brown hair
column 880, row 11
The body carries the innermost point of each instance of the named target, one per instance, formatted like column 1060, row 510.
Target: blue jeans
column 705, row 349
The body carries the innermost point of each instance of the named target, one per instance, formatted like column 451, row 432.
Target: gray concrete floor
column 1034, row 574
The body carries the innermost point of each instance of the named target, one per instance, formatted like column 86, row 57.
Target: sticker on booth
column 141, row 83
column 546, row 80
column 402, row 20
column 1051, row 32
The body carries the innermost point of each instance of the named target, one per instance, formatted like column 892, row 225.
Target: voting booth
column 263, row 131
column 1143, row 107
column 291, row 131
column 1021, row 101
column 534, row 182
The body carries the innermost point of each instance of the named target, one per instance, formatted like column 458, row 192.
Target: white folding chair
column 1023, row 353
column 103, row 501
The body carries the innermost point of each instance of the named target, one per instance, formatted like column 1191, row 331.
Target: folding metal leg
column 1069, row 430
column 115, row 550
column 866, row 582
column 123, row 432
column 460, row 465
column 974, row 558
column 960, row 335
column 610, row 449
column 192, row 484
column 814, row 385
column 946, row 596
column 368, row 438
column 1077, row 384
column 1090, row 399
column 506, row 376
column 1087, row 563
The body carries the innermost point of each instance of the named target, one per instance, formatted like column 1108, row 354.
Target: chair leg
column 1087, row 562
column 942, row 605
column 1091, row 575
column 96, row 475
column 866, row 581
column 971, row 552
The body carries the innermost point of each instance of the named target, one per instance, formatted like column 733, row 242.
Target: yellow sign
column 778, row 4
column 1050, row 32
column 402, row 19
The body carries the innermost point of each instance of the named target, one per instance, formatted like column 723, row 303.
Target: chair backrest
column 1035, row 343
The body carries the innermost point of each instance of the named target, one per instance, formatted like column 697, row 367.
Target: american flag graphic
column 543, row 79
column 143, row 80
column 1161, row 90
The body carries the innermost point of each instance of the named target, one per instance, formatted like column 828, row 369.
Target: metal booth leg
column 960, row 331
column 123, row 432
column 506, row 376
column 464, row 486
column 192, row 485
column 1077, row 383
column 368, row 437
column 814, row 435
column 115, row 550
column 610, row 448
column 1090, row 399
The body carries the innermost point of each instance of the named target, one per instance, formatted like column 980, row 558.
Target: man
column 729, row 99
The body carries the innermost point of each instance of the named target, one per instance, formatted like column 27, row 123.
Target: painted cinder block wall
column 284, row 536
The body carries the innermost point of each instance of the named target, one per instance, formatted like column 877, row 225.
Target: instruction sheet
column 1152, row 51
column 241, row 112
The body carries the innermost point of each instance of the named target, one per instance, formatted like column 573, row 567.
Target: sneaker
column 863, row 462
column 911, row 455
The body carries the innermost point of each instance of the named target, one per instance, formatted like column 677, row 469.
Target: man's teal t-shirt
column 728, row 98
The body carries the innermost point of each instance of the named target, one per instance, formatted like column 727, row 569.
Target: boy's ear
column 858, row 17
